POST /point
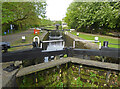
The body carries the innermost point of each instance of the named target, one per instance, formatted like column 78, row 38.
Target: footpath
column 14, row 37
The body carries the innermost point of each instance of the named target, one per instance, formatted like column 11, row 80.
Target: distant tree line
column 22, row 14
column 100, row 17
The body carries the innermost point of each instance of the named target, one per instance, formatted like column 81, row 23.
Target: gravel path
column 14, row 37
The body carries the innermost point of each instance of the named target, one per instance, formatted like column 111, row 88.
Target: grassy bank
column 101, row 38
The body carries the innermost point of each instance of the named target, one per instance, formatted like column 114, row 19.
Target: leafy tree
column 22, row 13
column 88, row 16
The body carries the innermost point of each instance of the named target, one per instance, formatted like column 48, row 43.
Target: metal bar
column 20, row 45
column 113, row 44
column 109, row 49
column 87, row 40
column 92, row 52
column 52, row 41
column 29, row 54
column 38, row 53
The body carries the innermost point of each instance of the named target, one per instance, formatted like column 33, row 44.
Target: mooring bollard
column 77, row 34
column 105, row 44
column 96, row 39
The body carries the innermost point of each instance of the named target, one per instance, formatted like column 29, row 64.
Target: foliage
column 51, row 79
column 93, row 16
column 45, row 23
column 65, row 55
column 22, row 14
column 79, row 82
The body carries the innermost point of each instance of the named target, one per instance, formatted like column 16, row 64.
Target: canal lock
column 70, row 74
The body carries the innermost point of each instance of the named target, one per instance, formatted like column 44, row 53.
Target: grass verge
column 101, row 38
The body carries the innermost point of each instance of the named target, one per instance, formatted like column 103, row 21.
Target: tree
column 85, row 16
column 22, row 13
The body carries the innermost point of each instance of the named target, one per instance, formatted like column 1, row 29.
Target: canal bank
column 77, row 75
column 69, row 38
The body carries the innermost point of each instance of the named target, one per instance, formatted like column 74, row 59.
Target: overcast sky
column 56, row 9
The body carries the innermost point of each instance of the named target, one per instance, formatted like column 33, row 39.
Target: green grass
column 50, row 27
column 102, row 39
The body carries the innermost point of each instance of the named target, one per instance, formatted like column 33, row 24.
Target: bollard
column 5, row 46
column 105, row 44
column 96, row 39
column 77, row 34
column 23, row 38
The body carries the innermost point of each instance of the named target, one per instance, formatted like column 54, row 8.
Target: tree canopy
column 93, row 15
column 23, row 13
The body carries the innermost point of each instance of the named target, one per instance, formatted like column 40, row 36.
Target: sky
column 56, row 9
